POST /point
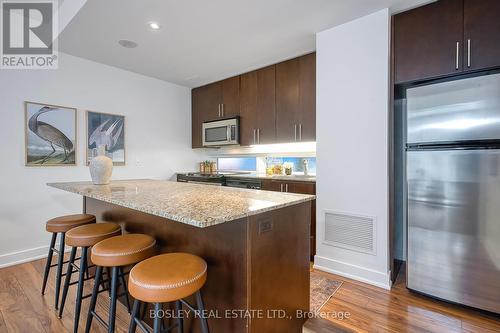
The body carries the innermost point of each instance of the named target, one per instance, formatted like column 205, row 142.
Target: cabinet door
column 287, row 100
column 482, row 34
column 257, row 107
column 302, row 187
column 425, row 41
column 307, row 98
column 248, row 108
column 196, row 122
column 230, row 99
column 208, row 100
column 271, row 185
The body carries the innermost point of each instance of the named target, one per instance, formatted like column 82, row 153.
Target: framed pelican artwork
column 104, row 129
column 50, row 135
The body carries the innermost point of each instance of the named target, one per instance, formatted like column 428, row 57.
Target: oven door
column 220, row 133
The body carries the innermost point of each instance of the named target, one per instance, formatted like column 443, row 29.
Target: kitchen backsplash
column 297, row 163
column 260, row 164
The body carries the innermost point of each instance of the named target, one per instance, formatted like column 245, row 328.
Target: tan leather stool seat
column 91, row 234
column 167, row 277
column 123, row 250
column 67, row 222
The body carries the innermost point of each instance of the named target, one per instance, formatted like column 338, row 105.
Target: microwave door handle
column 228, row 131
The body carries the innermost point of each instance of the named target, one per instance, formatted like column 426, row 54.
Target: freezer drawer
column 467, row 109
column 454, row 225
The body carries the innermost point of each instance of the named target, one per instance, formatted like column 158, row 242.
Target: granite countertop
column 292, row 178
column 194, row 204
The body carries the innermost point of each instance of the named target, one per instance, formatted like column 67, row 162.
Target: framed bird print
column 50, row 135
column 108, row 130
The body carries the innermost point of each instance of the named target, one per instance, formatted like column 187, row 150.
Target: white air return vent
column 352, row 232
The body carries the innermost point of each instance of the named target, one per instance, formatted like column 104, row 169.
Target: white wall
column 158, row 142
column 352, row 139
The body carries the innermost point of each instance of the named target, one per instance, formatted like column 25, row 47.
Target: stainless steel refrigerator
column 453, row 191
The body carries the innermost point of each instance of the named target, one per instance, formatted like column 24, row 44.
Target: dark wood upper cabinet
column 196, row 140
column 447, row 37
column 257, row 107
column 428, row 41
column 481, row 34
column 213, row 101
column 296, row 99
column 307, row 98
column 287, row 100
column 230, row 97
column 275, row 103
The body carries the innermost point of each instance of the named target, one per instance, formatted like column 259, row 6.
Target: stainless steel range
column 202, row 178
column 220, row 179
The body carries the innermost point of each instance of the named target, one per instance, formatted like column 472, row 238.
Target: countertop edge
column 213, row 222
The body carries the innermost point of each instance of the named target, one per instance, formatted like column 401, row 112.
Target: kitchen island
column 256, row 244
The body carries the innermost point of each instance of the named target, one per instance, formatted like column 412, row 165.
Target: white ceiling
column 202, row 41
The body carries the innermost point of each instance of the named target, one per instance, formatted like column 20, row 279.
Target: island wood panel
column 279, row 277
column 242, row 259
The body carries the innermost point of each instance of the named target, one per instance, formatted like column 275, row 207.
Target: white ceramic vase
column 101, row 167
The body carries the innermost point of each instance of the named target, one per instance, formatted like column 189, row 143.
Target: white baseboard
column 20, row 257
column 378, row 279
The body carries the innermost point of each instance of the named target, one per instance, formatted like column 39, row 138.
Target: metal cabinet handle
column 222, row 109
column 457, row 56
column 258, row 135
column 254, row 136
column 218, row 107
column 286, row 187
column 281, row 187
column 300, row 132
column 295, row 130
column 468, row 53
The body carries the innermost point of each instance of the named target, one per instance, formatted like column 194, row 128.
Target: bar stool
column 116, row 252
column 60, row 225
column 84, row 237
column 167, row 278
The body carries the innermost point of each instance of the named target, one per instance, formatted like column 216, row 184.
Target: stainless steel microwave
column 221, row 132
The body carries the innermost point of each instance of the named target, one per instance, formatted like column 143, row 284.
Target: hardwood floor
column 370, row 309
column 24, row 309
column 373, row 309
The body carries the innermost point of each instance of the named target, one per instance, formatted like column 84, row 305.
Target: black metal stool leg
column 79, row 290
column 49, row 261
column 59, row 268
column 112, row 305
column 69, row 272
column 135, row 314
column 201, row 307
column 180, row 322
column 124, row 286
column 93, row 300
column 157, row 319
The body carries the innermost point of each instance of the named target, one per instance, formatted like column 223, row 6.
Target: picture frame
column 51, row 135
column 107, row 129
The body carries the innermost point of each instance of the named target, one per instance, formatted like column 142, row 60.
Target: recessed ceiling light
column 154, row 25
column 129, row 44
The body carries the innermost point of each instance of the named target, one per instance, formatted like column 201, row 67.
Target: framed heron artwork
column 104, row 129
column 50, row 135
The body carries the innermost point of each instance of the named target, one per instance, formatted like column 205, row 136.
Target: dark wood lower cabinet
column 301, row 188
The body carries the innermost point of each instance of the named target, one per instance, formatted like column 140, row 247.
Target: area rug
column 322, row 289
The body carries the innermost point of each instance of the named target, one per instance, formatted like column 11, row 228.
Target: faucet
column 305, row 164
